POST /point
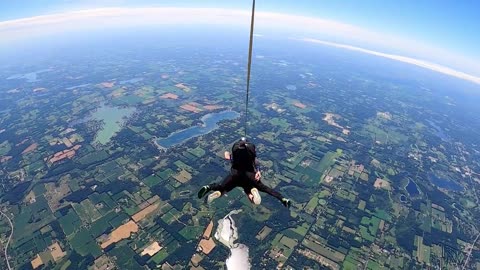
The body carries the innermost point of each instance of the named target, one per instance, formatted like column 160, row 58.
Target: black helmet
column 242, row 143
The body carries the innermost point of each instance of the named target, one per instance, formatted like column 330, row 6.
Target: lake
column 210, row 123
column 112, row 118
column 412, row 188
column 439, row 131
column 78, row 86
column 134, row 80
column 29, row 77
column 444, row 183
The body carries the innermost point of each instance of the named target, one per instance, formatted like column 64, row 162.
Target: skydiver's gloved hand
column 286, row 202
column 258, row 175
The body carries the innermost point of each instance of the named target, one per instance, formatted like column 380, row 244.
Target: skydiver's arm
column 228, row 156
column 258, row 174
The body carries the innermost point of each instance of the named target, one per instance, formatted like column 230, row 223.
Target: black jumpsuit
column 242, row 172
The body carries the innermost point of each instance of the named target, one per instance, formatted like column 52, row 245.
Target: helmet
column 242, row 143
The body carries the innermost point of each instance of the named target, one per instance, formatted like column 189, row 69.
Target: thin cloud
column 404, row 59
column 29, row 28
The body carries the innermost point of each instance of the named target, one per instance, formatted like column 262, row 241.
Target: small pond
column 412, row 188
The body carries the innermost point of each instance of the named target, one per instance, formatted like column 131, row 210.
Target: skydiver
column 243, row 173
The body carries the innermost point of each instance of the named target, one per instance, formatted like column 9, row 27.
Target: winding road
column 476, row 197
column 9, row 239
column 470, row 252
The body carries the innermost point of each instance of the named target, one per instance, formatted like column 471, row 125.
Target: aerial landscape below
column 104, row 145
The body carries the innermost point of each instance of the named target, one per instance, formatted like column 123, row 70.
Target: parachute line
column 249, row 67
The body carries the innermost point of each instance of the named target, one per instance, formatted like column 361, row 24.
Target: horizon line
column 400, row 58
column 349, row 35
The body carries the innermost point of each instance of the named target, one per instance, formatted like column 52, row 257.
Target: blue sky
column 440, row 35
column 452, row 25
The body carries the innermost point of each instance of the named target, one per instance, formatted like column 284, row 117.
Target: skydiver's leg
column 253, row 195
column 258, row 185
column 219, row 188
column 263, row 188
column 270, row 191
column 250, row 191
column 228, row 183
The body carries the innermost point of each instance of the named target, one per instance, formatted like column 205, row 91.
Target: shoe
column 203, row 191
column 213, row 196
column 286, row 202
column 256, row 196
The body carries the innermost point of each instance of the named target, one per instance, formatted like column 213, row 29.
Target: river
column 210, row 123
